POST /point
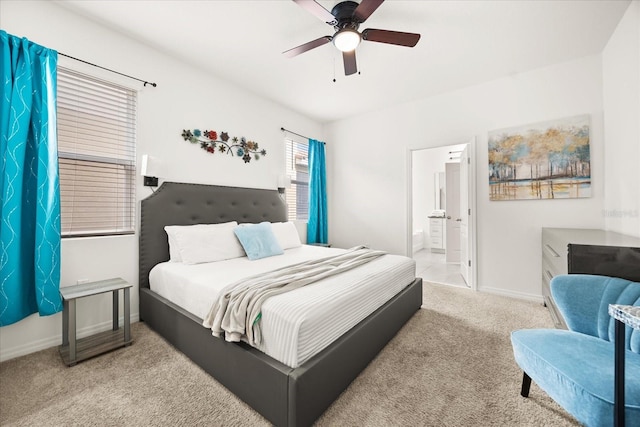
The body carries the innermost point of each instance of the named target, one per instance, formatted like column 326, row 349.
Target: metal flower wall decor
column 212, row 141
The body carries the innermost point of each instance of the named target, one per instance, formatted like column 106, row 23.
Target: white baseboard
column 41, row 344
column 512, row 294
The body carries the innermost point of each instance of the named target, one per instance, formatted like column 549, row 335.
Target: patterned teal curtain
column 317, row 227
column 30, row 207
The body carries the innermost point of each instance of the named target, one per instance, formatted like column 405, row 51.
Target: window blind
column 297, row 168
column 96, row 154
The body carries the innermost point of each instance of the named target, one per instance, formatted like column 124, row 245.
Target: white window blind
column 96, row 153
column 297, row 168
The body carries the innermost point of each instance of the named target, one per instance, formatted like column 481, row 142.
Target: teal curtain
column 30, row 207
column 317, row 227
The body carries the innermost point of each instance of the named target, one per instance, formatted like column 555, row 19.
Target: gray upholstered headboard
column 176, row 203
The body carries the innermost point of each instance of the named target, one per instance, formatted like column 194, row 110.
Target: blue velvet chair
column 575, row 367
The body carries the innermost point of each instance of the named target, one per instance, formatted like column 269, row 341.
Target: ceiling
column 463, row 43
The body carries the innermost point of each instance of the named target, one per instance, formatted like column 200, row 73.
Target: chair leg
column 526, row 385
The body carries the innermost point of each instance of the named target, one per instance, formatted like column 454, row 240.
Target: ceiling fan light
column 346, row 40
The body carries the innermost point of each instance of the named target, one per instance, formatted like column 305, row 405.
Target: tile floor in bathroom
column 432, row 267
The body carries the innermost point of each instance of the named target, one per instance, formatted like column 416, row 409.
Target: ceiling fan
column 345, row 18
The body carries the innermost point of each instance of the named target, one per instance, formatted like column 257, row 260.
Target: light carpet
column 451, row 365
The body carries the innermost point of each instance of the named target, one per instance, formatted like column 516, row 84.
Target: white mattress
column 299, row 324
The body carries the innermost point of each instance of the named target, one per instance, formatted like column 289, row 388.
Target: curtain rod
column 104, row 68
column 301, row 136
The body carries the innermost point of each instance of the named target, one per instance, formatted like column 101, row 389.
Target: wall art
column 548, row 160
column 212, row 142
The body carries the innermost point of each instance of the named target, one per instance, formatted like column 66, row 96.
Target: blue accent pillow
column 258, row 240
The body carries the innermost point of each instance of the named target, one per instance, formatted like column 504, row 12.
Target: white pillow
column 286, row 234
column 189, row 230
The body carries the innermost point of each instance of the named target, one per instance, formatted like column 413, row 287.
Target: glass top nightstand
column 74, row 351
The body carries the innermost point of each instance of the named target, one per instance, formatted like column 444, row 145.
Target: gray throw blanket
column 237, row 312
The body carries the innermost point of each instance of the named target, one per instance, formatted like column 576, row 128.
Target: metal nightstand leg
column 72, row 332
column 618, row 399
column 127, row 320
column 65, row 323
column 115, row 311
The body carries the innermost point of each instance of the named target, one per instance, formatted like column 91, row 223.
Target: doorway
column 441, row 231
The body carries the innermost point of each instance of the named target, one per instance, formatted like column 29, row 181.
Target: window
column 96, row 153
column 297, row 168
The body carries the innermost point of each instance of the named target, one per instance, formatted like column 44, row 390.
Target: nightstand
column 74, row 351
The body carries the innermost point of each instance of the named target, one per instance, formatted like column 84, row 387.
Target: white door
column 452, row 210
column 465, row 162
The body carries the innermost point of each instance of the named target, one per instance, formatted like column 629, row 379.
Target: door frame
column 473, row 235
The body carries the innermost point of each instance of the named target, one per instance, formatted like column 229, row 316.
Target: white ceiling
column 463, row 43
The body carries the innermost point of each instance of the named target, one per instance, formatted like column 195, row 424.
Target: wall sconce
column 151, row 168
column 284, row 182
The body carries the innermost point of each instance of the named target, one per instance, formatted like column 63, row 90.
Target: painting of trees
column 539, row 161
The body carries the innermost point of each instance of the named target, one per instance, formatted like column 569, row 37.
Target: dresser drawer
column 546, row 278
column 546, row 285
column 552, row 265
column 555, row 257
column 556, row 317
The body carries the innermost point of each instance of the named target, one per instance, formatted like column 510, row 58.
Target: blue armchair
column 575, row 367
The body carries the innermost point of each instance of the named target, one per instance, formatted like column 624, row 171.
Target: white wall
column 621, row 89
column 185, row 98
column 368, row 175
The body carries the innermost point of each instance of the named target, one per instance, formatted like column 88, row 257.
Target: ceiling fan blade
column 350, row 66
column 391, row 37
column 365, row 9
column 307, row 46
column 317, row 10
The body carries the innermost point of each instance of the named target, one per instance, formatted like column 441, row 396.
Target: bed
column 284, row 395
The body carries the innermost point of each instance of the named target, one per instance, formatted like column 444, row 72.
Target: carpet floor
column 451, row 365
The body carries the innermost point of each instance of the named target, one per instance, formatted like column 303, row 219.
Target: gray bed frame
column 285, row 396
